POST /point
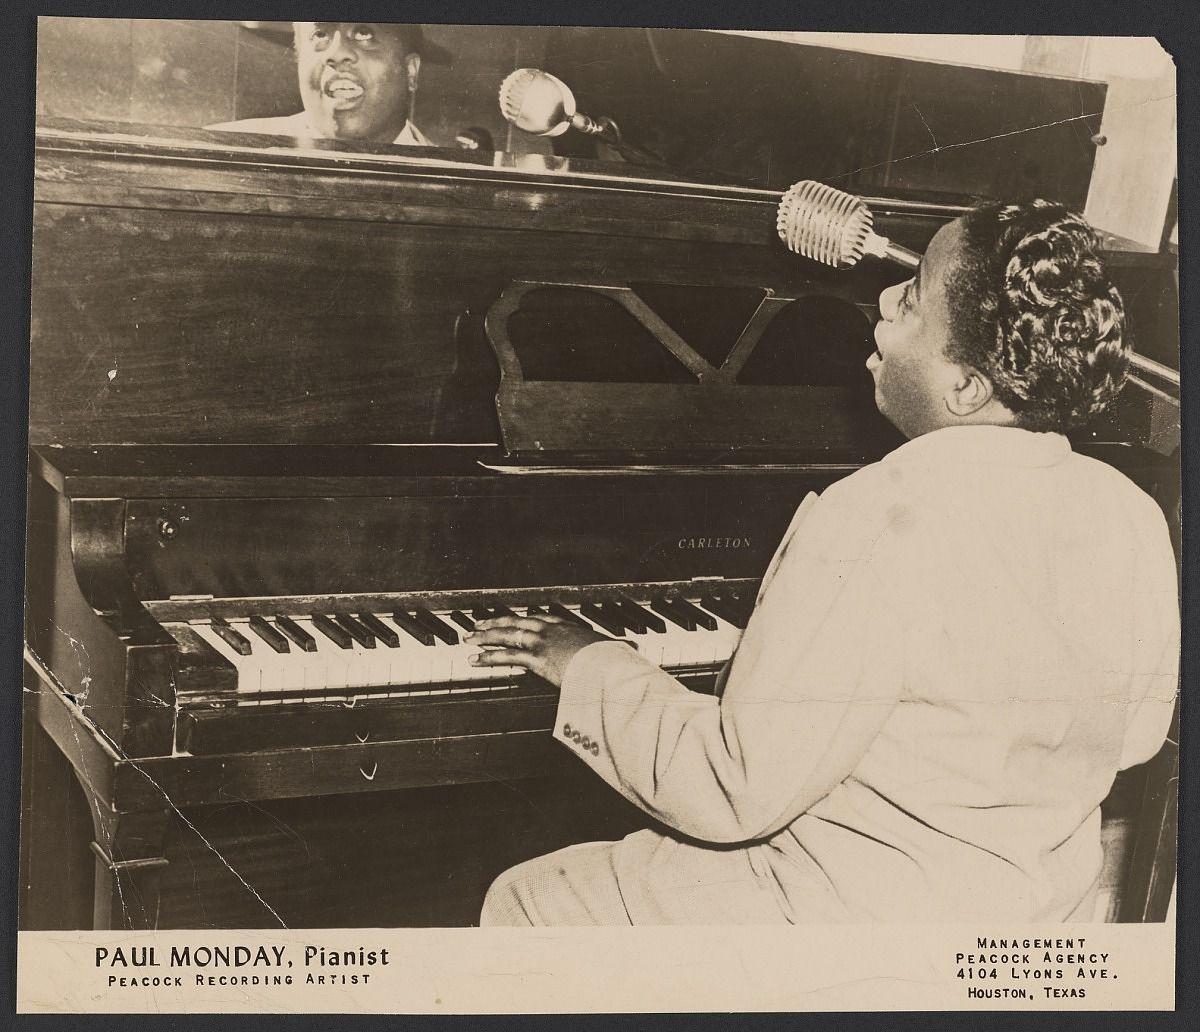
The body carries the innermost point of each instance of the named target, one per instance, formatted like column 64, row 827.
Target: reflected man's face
column 355, row 78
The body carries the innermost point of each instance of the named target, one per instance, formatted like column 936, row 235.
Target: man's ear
column 413, row 63
column 971, row 393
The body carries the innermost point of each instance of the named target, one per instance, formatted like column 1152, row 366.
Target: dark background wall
column 772, row 112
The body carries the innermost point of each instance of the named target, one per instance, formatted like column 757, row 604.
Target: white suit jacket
column 953, row 653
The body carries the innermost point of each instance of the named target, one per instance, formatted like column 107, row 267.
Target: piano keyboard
column 338, row 654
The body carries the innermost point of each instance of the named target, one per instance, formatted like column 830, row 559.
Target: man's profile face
column 911, row 371
column 354, row 78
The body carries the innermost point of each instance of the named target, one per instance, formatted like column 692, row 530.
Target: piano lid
column 196, row 144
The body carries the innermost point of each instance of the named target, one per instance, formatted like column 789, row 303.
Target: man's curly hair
column 1032, row 307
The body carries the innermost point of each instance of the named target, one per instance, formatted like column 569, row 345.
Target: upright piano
column 298, row 418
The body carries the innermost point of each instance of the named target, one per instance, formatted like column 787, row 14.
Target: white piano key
column 394, row 664
column 292, row 667
column 364, row 668
column 410, row 664
column 268, row 661
column 272, row 666
column 324, row 669
column 695, row 647
column 441, row 667
column 676, row 644
column 248, row 668
column 728, row 635
column 441, row 662
column 654, row 646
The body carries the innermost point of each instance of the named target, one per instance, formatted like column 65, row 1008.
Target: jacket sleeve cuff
column 595, row 671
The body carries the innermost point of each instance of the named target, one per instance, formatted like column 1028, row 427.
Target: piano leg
column 56, row 827
column 83, row 864
column 129, row 852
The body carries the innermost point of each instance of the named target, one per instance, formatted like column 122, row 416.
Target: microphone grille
column 512, row 92
column 823, row 223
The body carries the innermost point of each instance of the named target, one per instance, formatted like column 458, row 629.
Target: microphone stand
column 611, row 134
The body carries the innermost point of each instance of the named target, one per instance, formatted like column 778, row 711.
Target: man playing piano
column 953, row 653
column 357, row 81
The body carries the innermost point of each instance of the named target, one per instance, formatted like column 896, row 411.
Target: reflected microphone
column 833, row 227
column 541, row 103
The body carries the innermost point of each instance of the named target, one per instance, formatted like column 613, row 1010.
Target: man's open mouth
column 343, row 92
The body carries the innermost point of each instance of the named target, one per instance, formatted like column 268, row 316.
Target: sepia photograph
column 494, row 477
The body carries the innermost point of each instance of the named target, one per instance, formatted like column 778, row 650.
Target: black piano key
column 736, row 596
column 491, row 609
column 744, row 605
column 432, row 622
column 381, row 630
column 617, row 612
column 356, row 630
column 332, row 631
column 463, row 621
column 739, row 604
column 598, row 616
column 702, row 618
column 234, row 639
column 563, row 613
column 297, row 633
column 711, row 603
column 414, row 629
column 269, row 634
column 648, row 619
column 718, row 606
column 676, row 616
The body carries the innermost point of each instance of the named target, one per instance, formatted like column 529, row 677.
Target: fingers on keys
column 507, row 639
column 522, row 623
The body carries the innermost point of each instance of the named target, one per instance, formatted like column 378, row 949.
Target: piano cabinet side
column 100, row 688
column 84, row 862
column 85, row 623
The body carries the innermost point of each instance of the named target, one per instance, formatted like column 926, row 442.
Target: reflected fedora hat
column 421, row 44
column 418, row 42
